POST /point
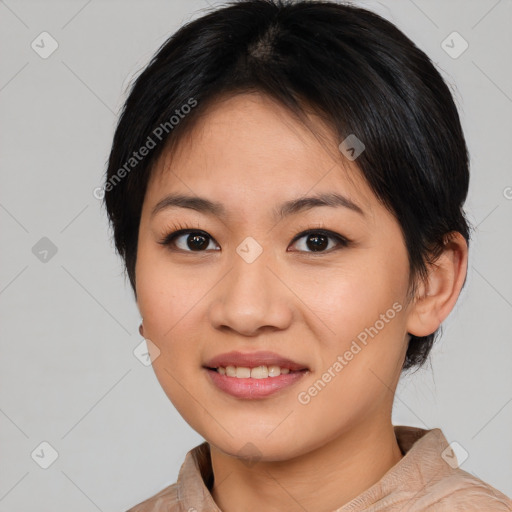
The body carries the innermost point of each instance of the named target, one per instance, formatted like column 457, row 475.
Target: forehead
column 249, row 147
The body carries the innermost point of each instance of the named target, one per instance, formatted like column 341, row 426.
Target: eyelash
column 176, row 230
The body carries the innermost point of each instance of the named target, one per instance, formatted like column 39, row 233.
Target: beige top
column 427, row 478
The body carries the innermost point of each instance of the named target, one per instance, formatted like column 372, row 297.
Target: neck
column 321, row 480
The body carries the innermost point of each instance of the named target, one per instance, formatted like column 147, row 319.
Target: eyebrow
column 291, row 207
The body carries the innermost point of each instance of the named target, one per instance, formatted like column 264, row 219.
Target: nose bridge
column 251, row 296
column 250, row 276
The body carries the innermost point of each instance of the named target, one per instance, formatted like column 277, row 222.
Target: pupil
column 197, row 242
column 319, row 242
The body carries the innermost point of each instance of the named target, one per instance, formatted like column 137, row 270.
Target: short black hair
column 358, row 71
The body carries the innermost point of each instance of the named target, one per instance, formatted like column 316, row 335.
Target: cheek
column 172, row 300
column 166, row 304
column 169, row 304
column 162, row 292
column 359, row 311
column 350, row 296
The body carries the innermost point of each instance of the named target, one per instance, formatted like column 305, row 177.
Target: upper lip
column 253, row 359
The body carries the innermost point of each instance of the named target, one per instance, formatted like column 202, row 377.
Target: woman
column 286, row 187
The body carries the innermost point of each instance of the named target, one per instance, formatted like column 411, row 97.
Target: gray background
column 69, row 323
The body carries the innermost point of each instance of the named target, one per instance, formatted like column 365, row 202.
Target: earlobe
column 141, row 330
column 438, row 295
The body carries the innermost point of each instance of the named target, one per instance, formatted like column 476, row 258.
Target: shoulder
column 429, row 477
column 463, row 492
column 167, row 497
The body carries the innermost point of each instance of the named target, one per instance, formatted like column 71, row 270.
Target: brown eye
column 319, row 241
column 188, row 240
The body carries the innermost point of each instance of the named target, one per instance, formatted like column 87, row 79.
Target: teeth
column 259, row 372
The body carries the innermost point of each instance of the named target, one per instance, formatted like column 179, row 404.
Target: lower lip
column 253, row 388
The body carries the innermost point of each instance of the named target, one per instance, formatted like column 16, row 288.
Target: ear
column 438, row 295
column 141, row 330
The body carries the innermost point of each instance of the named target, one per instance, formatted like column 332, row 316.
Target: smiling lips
column 253, row 375
column 252, row 360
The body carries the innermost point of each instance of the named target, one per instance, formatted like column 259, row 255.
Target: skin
column 251, row 155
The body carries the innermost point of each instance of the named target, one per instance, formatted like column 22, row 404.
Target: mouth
column 253, row 375
column 261, row 362
column 256, row 372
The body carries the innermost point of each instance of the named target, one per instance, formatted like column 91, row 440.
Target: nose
column 251, row 299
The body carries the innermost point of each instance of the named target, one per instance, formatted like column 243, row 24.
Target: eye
column 188, row 240
column 319, row 241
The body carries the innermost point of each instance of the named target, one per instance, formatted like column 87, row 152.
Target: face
column 322, row 286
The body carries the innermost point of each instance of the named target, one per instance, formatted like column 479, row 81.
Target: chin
column 254, row 447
